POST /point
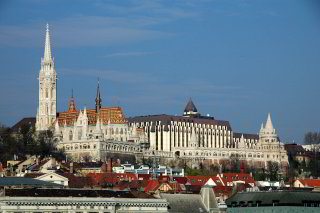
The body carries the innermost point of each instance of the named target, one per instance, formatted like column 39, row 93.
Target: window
column 79, row 134
column 70, row 135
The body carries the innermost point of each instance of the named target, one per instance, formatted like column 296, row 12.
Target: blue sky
column 237, row 59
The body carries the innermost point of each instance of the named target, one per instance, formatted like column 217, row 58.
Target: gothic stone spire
column 98, row 98
column 47, row 46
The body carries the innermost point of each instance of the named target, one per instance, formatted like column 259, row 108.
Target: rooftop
column 270, row 198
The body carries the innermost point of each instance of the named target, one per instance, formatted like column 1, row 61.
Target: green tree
column 45, row 144
column 273, row 170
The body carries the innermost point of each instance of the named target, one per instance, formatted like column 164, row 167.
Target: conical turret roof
column 269, row 122
column 190, row 107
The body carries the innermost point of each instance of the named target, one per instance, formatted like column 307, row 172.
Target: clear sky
column 237, row 59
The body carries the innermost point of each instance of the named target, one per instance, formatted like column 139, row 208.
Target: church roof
column 114, row 114
column 190, row 107
column 31, row 121
column 166, row 120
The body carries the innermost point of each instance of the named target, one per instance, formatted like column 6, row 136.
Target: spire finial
column 72, row 93
column 47, row 46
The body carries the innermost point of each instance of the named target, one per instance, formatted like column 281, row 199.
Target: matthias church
column 97, row 132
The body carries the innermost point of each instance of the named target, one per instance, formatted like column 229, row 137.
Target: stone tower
column 267, row 132
column 47, row 109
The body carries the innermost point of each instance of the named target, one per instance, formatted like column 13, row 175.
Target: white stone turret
column 74, row 131
column 84, row 124
column 242, row 144
column 108, row 136
column 46, row 115
column 57, row 129
column 98, row 132
column 262, row 128
column 268, row 133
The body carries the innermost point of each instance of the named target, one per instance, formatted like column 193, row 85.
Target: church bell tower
column 47, row 109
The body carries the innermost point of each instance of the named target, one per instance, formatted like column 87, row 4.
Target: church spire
column 98, row 98
column 72, row 103
column 47, row 46
column 47, row 87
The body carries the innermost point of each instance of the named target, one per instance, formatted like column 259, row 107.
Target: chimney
column 71, row 168
column 208, row 198
column 109, row 165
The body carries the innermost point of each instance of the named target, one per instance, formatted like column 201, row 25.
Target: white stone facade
column 96, row 141
column 204, row 138
column 81, row 205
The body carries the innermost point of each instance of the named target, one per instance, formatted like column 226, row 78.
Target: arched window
column 47, row 109
column 70, row 136
column 47, row 93
column 52, row 92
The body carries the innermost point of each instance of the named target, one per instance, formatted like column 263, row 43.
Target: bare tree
column 312, row 138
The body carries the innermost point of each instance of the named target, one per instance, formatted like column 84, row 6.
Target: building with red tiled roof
column 230, row 178
column 307, row 183
column 201, row 180
column 151, row 186
column 110, row 179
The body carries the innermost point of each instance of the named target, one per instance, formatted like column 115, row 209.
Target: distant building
column 274, row 201
column 299, row 153
column 307, row 183
column 81, row 201
column 205, row 202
